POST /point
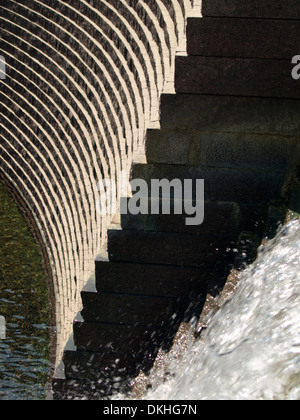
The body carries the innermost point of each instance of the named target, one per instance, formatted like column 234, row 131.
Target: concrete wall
column 83, row 84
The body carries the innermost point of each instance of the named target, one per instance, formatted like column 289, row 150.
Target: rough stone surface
column 174, row 147
column 250, row 38
column 230, row 114
column 163, row 248
column 223, row 150
column 244, row 151
column 97, row 366
column 220, row 217
column 235, row 76
column 97, row 337
column 235, row 185
column 127, row 309
column 83, row 83
column 289, row 9
column 151, row 280
column 75, row 389
column 243, row 147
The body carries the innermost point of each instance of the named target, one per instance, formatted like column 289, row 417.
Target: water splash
column 251, row 349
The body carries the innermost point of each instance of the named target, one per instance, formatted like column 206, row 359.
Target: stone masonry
column 82, row 85
column 234, row 122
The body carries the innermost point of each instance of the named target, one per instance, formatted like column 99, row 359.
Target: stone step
column 249, row 38
column 151, row 280
column 223, row 150
column 164, row 248
column 97, row 366
column 275, row 9
column 94, row 375
column 109, row 338
column 221, row 217
column 129, row 309
column 141, row 342
column 233, row 185
column 225, row 218
column 76, row 389
column 236, row 76
column 230, row 114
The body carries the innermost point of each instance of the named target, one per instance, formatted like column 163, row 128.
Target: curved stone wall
column 83, row 83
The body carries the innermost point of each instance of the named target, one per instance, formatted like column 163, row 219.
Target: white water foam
column 251, row 349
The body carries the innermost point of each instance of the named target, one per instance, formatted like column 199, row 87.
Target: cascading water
column 251, row 349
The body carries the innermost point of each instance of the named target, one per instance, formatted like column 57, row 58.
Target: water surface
column 24, row 303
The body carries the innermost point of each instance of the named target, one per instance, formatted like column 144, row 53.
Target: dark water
column 24, row 303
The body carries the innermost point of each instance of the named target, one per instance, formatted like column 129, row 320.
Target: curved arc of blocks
column 79, row 104
column 79, row 184
column 37, row 88
column 83, row 84
column 45, row 206
column 55, row 197
column 104, row 163
column 58, row 258
column 111, row 45
column 99, row 63
column 78, row 156
column 48, row 111
column 140, row 43
column 59, row 280
column 42, row 219
column 117, row 78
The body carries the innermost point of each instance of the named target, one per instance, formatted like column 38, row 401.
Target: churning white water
column 251, row 349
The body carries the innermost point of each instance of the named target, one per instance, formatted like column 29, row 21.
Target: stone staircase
column 234, row 122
